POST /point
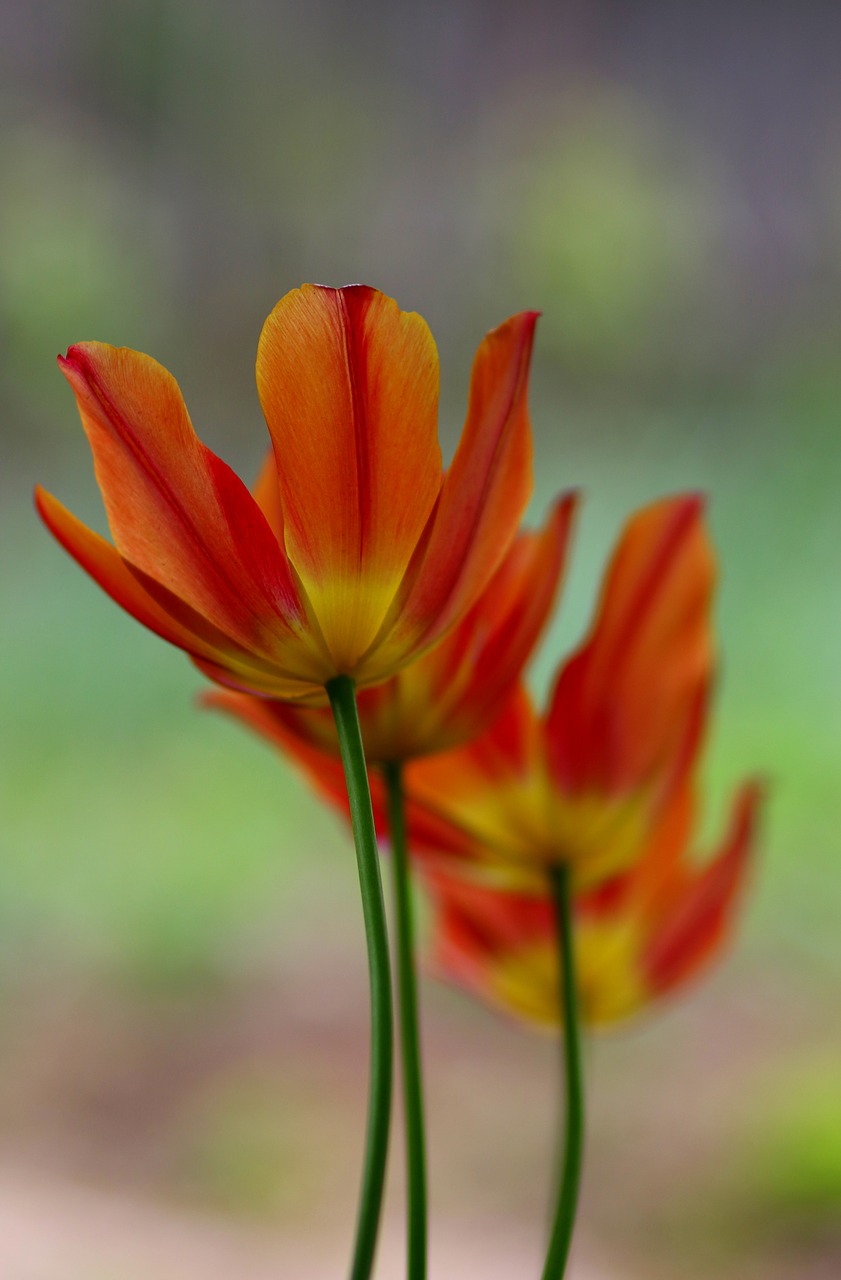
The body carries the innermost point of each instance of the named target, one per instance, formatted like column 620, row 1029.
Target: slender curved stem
column 570, row 1166
column 342, row 695
column 407, row 1007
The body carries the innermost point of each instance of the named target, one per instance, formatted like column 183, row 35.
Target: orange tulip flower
column 585, row 785
column 356, row 552
column 453, row 692
column 635, row 940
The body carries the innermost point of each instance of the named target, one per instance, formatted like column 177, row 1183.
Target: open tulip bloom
column 553, row 846
column 591, row 802
column 637, row 939
column 355, row 553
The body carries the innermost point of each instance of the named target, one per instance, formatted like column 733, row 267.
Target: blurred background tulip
column 183, row 1007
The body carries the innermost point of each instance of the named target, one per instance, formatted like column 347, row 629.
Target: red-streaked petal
column 509, row 748
column 262, row 683
column 651, row 882
column 485, row 490
column 694, row 924
column 105, row 565
column 155, row 607
column 459, row 687
column 629, row 706
column 456, row 801
column 456, row 690
column 484, row 656
column 473, row 927
column 349, row 387
column 177, row 511
column 498, row 920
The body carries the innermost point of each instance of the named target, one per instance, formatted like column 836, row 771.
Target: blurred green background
column 183, row 1012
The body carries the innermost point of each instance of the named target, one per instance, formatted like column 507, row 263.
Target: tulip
column 583, row 785
column 355, row 554
column 640, row 938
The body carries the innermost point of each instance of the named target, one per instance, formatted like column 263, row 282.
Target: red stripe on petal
column 105, row 565
column 349, row 387
column 485, row 490
column 694, row 923
column 629, row 707
column 177, row 511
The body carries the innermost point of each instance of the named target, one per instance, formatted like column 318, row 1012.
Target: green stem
column 570, row 1170
column 342, row 695
column 409, row 1028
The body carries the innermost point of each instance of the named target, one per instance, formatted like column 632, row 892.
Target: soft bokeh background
column 183, row 1002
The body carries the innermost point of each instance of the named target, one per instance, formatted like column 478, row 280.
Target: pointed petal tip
column 69, row 364
column 46, row 505
column 76, row 356
column 693, row 503
column 227, row 700
column 41, row 500
column 524, row 320
column 750, row 801
column 564, row 506
column 78, row 364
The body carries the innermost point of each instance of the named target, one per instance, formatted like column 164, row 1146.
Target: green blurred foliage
column 794, row 1172
column 75, row 260
column 616, row 235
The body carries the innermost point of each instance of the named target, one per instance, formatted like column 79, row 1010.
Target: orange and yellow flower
column 453, row 692
column 586, row 784
column 635, row 940
column 356, row 552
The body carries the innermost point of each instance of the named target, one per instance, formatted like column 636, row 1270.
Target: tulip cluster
column 371, row 616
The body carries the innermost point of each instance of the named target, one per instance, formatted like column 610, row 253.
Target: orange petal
column 467, row 802
column 509, row 748
column 663, row 868
column 152, row 605
column 474, row 926
column 491, row 646
column 497, row 920
column 454, row 691
column 104, row 564
column 176, row 511
column 629, row 706
column 264, row 684
column 694, row 924
column 349, row 387
column 485, row 490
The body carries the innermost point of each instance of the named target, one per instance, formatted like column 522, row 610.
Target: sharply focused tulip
column 635, row 940
column 452, row 693
column 585, row 785
column 356, row 552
